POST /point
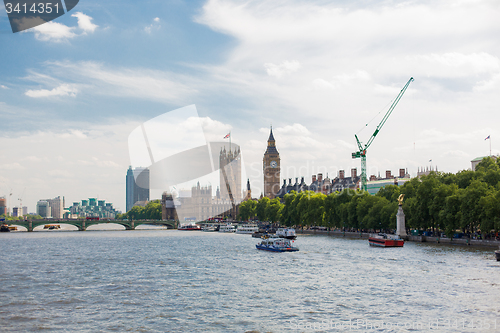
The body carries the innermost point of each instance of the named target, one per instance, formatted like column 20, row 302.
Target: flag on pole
column 487, row 137
column 227, row 135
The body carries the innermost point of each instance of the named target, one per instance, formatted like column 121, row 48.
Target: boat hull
column 276, row 249
column 386, row 242
column 189, row 228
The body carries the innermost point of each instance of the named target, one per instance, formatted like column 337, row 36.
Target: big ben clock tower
column 271, row 165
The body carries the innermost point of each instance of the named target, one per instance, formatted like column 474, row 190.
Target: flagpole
column 229, row 140
column 490, row 144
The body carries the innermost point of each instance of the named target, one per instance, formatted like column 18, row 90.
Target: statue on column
column 400, row 217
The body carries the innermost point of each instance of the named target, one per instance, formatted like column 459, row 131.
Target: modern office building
column 56, row 207
column 17, row 211
column 3, row 206
column 137, row 183
column 43, row 209
column 93, row 208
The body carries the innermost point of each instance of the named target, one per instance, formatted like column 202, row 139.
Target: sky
column 72, row 90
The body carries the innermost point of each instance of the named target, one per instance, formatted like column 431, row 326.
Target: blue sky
column 72, row 90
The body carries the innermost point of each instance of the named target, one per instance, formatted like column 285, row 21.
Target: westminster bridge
column 82, row 225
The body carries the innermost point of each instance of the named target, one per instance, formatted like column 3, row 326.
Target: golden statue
column 400, row 199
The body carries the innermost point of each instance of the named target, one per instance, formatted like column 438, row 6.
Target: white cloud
column 53, row 31
column 3, row 87
column 73, row 134
column 85, row 22
column 341, row 80
column 124, row 82
column 286, row 67
column 214, row 130
column 62, row 90
column 12, row 166
column 153, row 26
column 58, row 32
column 454, row 64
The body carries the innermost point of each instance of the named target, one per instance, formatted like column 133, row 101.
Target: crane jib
column 362, row 150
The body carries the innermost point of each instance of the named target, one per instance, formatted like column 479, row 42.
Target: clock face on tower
column 274, row 164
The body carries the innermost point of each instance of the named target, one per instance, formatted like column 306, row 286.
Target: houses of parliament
column 202, row 205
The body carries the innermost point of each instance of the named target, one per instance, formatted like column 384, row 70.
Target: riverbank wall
column 419, row 239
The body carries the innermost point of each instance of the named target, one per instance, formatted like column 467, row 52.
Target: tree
column 261, row 208
column 247, row 210
column 288, row 209
column 471, row 209
column 451, row 215
column 390, row 192
column 136, row 213
column 152, row 211
column 273, row 210
column 316, row 209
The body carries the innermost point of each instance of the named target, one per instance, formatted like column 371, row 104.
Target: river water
column 191, row 281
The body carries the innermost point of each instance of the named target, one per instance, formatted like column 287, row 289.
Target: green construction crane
column 362, row 150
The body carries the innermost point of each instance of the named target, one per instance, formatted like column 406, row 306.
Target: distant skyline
column 72, row 90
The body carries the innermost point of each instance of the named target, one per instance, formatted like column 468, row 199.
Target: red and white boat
column 386, row 240
column 189, row 227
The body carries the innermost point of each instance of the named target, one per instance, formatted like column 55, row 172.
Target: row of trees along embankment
column 468, row 201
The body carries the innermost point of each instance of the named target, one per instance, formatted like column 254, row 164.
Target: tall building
column 3, row 206
column 271, row 166
column 17, row 211
column 43, row 209
column 230, row 174
column 56, row 207
column 137, row 183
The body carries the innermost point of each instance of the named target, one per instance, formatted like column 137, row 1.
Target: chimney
column 320, row 177
column 388, row 174
column 354, row 172
column 314, row 178
column 341, row 174
column 402, row 173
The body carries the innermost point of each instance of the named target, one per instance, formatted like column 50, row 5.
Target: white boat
column 288, row 233
column 247, row 229
column 208, row 228
column 227, row 228
column 189, row 227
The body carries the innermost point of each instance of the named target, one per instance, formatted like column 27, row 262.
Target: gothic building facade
column 230, row 174
column 271, row 168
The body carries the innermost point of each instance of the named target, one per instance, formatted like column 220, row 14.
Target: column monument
column 400, row 217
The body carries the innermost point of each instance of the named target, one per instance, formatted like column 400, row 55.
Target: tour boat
column 52, row 226
column 288, row 233
column 247, row 229
column 385, row 240
column 208, row 228
column 189, row 227
column 227, row 228
column 277, row 244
